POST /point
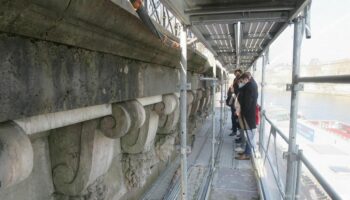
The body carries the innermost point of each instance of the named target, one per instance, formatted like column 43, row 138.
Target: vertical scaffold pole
column 298, row 173
column 213, row 120
column 222, row 101
column 183, row 110
column 262, row 104
column 225, row 93
column 292, row 152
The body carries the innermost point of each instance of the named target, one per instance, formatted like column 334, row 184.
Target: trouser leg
column 250, row 142
column 235, row 123
column 232, row 116
column 233, row 120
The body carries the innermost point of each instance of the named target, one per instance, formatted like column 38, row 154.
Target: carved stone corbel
column 125, row 116
column 169, row 118
column 16, row 155
column 79, row 153
column 203, row 101
column 190, row 98
column 140, row 138
column 197, row 101
column 207, row 99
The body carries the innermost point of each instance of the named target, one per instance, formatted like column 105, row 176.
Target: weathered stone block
column 38, row 185
column 137, row 167
column 79, row 155
column 141, row 139
column 190, row 98
column 165, row 147
column 16, row 155
column 38, row 77
column 168, row 120
column 117, row 124
column 197, row 101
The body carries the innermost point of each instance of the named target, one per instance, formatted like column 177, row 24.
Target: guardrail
column 325, row 79
column 274, row 131
column 158, row 12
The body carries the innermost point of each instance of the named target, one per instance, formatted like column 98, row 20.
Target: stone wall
column 111, row 157
column 58, row 142
column 89, row 110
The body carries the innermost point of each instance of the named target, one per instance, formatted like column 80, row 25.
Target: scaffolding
column 198, row 22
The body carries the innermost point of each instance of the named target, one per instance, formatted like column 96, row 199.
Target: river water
column 313, row 106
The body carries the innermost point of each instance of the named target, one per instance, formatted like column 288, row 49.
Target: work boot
column 232, row 134
column 243, row 157
column 236, row 137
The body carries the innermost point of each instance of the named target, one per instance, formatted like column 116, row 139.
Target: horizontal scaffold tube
column 326, row 79
column 325, row 185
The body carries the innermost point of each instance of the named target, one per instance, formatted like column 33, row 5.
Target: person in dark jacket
column 247, row 99
column 231, row 97
column 255, row 85
column 237, row 73
column 229, row 101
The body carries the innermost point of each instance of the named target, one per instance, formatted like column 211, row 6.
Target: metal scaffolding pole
column 222, row 101
column 183, row 110
column 225, row 93
column 262, row 104
column 292, row 162
column 212, row 81
column 213, row 120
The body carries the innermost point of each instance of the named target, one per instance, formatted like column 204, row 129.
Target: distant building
column 279, row 75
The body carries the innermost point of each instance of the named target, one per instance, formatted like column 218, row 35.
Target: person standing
column 231, row 97
column 255, row 85
column 247, row 100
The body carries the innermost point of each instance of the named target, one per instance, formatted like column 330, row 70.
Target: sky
column 330, row 40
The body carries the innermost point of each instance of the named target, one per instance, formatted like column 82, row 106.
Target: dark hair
column 248, row 73
column 237, row 70
column 236, row 79
column 244, row 76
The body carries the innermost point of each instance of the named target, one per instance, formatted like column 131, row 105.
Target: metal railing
column 325, row 79
column 160, row 14
column 301, row 159
column 290, row 190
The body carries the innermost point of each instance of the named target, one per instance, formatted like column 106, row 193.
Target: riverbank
column 313, row 106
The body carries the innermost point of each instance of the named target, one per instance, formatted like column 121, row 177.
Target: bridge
column 116, row 99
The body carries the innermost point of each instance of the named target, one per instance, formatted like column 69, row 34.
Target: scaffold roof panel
column 237, row 31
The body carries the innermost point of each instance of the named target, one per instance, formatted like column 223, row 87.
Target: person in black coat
column 233, row 90
column 229, row 102
column 247, row 99
column 255, row 85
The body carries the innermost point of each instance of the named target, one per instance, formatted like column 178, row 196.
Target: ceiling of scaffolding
column 236, row 31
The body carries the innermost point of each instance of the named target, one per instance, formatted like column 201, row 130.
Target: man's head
column 249, row 75
column 243, row 79
column 237, row 72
